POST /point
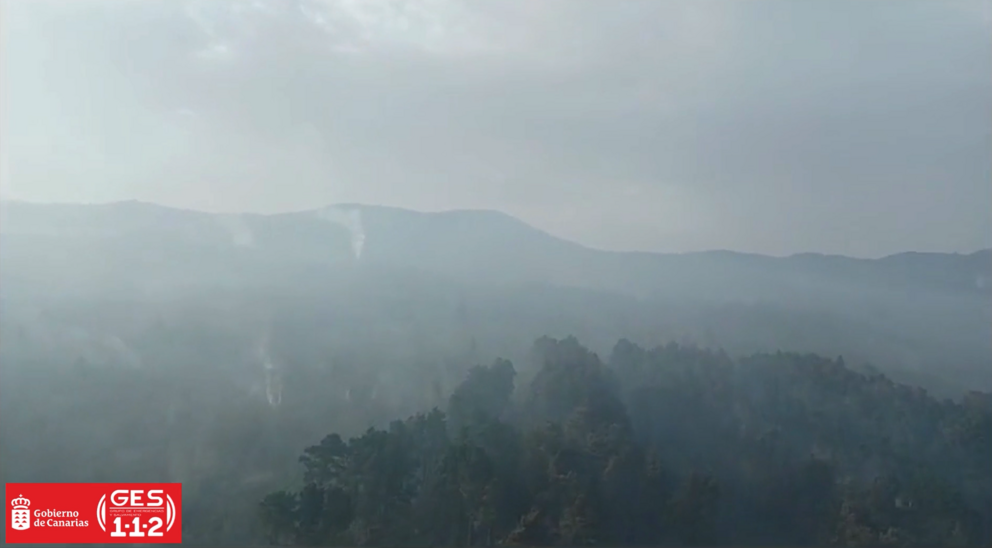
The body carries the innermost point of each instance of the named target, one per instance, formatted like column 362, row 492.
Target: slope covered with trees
column 921, row 317
column 674, row 445
column 142, row 343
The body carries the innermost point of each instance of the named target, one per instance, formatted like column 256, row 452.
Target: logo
column 95, row 513
column 20, row 516
column 133, row 505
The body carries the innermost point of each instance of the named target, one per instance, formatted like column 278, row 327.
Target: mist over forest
column 358, row 375
column 517, row 273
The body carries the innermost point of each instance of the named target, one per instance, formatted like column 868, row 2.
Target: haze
column 847, row 127
column 512, row 273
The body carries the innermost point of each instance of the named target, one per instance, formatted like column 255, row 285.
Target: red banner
column 69, row 513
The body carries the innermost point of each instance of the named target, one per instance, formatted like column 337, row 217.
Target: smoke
column 239, row 231
column 273, row 378
column 351, row 220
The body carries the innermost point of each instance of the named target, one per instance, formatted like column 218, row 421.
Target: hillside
column 142, row 343
column 480, row 243
column 912, row 309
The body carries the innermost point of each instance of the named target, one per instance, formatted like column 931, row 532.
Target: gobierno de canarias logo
column 86, row 513
column 20, row 516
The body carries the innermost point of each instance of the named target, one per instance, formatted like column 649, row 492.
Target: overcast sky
column 774, row 126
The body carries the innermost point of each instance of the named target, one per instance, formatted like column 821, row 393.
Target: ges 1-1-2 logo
column 136, row 513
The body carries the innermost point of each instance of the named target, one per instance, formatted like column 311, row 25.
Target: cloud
column 771, row 126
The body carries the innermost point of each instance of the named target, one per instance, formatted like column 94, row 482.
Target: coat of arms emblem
column 20, row 516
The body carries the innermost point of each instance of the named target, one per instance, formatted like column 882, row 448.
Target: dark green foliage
column 482, row 397
column 775, row 449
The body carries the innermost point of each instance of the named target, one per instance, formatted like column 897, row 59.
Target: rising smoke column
column 351, row 220
column 273, row 378
column 241, row 235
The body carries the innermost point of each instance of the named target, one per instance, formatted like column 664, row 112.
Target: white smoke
column 273, row 378
column 350, row 220
column 241, row 235
column 273, row 388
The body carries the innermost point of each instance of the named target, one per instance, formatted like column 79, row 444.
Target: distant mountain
column 476, row 246
column 486, row 275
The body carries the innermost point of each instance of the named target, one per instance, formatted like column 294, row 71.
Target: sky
column 861, row 128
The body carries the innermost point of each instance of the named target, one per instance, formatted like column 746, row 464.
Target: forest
column 304, row 393
column 442, row 273
column 520, row 273
column 670, row 446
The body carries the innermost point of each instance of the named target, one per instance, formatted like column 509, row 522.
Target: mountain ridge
column 913, row 308
column 489, row 214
